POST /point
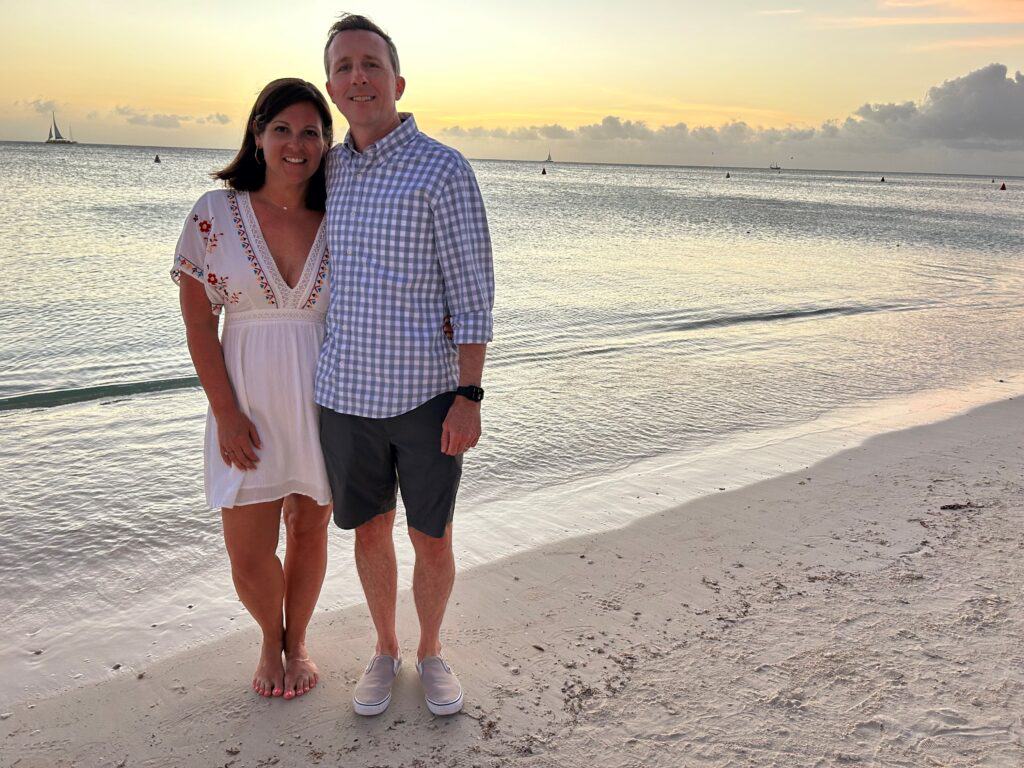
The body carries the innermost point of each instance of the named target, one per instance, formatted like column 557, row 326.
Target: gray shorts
column 369, row 459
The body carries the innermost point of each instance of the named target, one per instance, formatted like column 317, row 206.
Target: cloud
column 983, row 110
column 42, row 106
column 780, row 12
column 218, row 117
column 163, row 120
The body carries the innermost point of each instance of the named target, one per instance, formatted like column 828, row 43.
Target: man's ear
column 399, row 87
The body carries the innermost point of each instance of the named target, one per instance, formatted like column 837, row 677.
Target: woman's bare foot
column 300, row 673
column 268, row 680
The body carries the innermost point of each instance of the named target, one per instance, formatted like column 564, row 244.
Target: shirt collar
column 398, row 138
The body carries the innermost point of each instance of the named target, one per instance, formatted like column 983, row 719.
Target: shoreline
column 203, row 609
column 835, row 613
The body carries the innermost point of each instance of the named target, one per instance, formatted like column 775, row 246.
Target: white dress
column 271, row 341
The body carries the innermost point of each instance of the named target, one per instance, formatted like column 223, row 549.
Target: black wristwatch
column 476, row 394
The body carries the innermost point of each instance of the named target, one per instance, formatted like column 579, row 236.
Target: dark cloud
column 217, row 118
column 162, row 120
column 983, row 110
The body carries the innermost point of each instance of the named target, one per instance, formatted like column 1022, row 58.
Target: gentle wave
column 672, row 328
column 65, row 396
column 660, row 330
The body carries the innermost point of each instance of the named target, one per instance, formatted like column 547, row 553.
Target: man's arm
column 464, row 253
column 461, row 429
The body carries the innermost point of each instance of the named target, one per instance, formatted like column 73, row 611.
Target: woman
column 257, row 251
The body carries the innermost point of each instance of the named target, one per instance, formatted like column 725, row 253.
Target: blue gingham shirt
column 409, row 244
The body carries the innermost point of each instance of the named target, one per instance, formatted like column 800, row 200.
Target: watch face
column 476, row 394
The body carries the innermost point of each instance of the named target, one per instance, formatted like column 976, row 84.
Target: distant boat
column 549, row 160
column 55, row 136
column 775, row 167
column 156, row 159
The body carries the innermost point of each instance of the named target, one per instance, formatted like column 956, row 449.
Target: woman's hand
column 238, row 440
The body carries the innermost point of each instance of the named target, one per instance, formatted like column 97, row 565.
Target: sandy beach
column 863, row 611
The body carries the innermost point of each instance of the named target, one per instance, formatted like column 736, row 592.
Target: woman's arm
column 236, row 434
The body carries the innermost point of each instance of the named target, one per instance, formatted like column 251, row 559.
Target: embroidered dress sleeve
column 464, row 251
column 190, row 252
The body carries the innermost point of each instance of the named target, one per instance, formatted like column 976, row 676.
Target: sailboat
column 55, row 137
column 549, row 160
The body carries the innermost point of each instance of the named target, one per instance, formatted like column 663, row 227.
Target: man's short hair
column 349, row 21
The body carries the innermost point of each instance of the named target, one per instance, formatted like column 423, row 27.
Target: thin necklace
column 285, row 208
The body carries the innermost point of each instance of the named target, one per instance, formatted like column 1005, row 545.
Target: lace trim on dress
column 310, row 265
column 254, row 262
column 321, row 278
column 262, row 315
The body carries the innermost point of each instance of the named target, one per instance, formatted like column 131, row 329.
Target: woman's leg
column 305, row 563
column 251, row 533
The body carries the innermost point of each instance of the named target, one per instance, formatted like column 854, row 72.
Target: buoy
column 156, row 159
column 1002, row 187
column 728, row 176
column 883, row 179
column 543, row 171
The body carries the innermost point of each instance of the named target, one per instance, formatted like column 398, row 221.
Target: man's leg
column 378, row 573
column 432, row 581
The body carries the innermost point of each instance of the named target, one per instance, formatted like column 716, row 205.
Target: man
column 409, row 245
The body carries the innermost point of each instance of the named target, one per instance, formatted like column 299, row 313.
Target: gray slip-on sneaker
column 440, row 686
column 373, row 691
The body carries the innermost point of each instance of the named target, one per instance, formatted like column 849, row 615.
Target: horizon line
column 573, row 162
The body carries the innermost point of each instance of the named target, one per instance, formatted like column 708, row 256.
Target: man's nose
column 358, row 74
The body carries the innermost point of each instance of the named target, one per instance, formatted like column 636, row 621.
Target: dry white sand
column 835, row 616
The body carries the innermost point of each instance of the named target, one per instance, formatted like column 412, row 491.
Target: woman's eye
column 280, row 128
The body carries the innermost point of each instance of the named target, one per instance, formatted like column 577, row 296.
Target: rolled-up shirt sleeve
column 463, row 244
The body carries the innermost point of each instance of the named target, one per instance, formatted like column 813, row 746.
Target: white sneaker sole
column 369, row 710
column 445, row 709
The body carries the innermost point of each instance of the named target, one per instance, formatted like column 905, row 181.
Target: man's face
column 362, row 82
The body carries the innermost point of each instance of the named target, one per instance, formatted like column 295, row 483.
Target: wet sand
column 863, row 611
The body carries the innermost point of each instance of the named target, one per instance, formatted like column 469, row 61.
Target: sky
column 913, row 85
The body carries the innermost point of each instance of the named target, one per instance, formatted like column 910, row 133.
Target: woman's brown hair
column 245, row 172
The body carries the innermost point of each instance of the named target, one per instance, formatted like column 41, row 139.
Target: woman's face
column 293, row 143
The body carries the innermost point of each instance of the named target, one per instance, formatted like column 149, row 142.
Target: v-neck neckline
column 309, row 268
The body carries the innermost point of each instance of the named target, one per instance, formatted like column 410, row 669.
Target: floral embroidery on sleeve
column 220, row 285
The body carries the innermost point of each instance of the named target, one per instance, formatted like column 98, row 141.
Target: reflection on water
column 642, row 313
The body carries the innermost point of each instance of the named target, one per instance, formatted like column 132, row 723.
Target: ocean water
column 644, row 314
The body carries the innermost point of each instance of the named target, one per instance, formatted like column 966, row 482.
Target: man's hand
column 461, row 428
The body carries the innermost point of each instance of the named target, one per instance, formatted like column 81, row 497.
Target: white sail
column 56, row 130
column 50, row 137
